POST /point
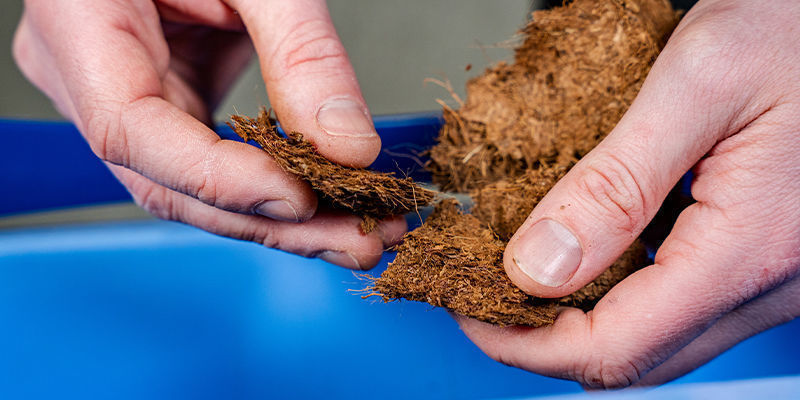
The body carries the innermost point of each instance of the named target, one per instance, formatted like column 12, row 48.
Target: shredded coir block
column 369, row 194
column 454, row 261
column 521, row 128
column 576, row 72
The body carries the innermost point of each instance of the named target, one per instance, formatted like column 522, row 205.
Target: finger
column 334, row 237
column 722, row 252
column 214, row 13
column 595, row 212
column 115, row 71
column 310, row 82
column 774, row 308
column 643, row 320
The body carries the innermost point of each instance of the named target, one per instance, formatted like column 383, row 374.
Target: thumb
column 596, row 211
column 310, row 82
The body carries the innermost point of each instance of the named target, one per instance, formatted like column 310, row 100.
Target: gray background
column 394, row 46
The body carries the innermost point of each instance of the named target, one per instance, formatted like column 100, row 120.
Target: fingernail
column 548, row 253
column 345, row 117
column 341, row 258
column 278, row 209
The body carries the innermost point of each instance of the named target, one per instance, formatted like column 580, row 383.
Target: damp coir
column 522, row 127
column 369, row 194
column 575, row 73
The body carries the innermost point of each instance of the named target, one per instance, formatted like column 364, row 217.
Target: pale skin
column 141, row 79
column 723, row 99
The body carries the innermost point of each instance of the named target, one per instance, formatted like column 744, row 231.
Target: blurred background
column 394, row 46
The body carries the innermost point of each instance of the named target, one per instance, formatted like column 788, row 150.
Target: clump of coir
column 455, row 261
column 522, row 127
column 576, row 72
column 503, row 205
column 369, row 194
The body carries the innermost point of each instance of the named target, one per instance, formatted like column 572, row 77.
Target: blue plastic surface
column 48, row 165
column 154, row 309
column 162, row 310
column 785, row 387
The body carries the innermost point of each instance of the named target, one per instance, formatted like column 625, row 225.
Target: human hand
column 141, row 79
column 723, row 98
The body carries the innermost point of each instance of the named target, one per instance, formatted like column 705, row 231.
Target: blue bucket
column 154, row 309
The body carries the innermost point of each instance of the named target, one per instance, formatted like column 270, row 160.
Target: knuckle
column 614, row 190
column 156, row 202
column 707, row 57
column 20, row 48
column 107, row 138
column 311, row 47
column 610, row 373
column 203, row 179
column 267, row 237
column 206, row 190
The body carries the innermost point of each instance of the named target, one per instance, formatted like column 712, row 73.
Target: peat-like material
column 522, row 127
column 368, row 194
column 576, row 72
column 456, row 262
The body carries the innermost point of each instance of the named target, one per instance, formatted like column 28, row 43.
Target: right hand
column 723, row 99
column 140, row 80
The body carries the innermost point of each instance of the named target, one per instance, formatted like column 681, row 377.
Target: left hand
column 141, row 78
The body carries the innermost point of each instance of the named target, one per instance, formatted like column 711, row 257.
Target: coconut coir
column 503, row 205
column 575, row 73
column 369, row 194
column 521, row 128
column 455, row 261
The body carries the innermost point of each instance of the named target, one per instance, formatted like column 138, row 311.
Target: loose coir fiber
column 576, row 72
column 369, row 194
column 521, row 128
column 454, row 261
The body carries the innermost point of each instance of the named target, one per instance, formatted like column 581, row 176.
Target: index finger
column 310, row 81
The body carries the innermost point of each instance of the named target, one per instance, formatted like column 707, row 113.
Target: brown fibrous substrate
column 455, row 261
column 575, row 73
column 521, row 129
column 369, row 194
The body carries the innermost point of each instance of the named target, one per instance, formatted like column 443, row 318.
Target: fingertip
column 371, row 251
column 255, row 178
column 297, row 209
column 341, row 258
column 343, row 242
column 304, row 204
column 366, row 254
column 392, row 230
column 284, row 210
column 310, row 81
column 341, row 130
column 354, row 153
